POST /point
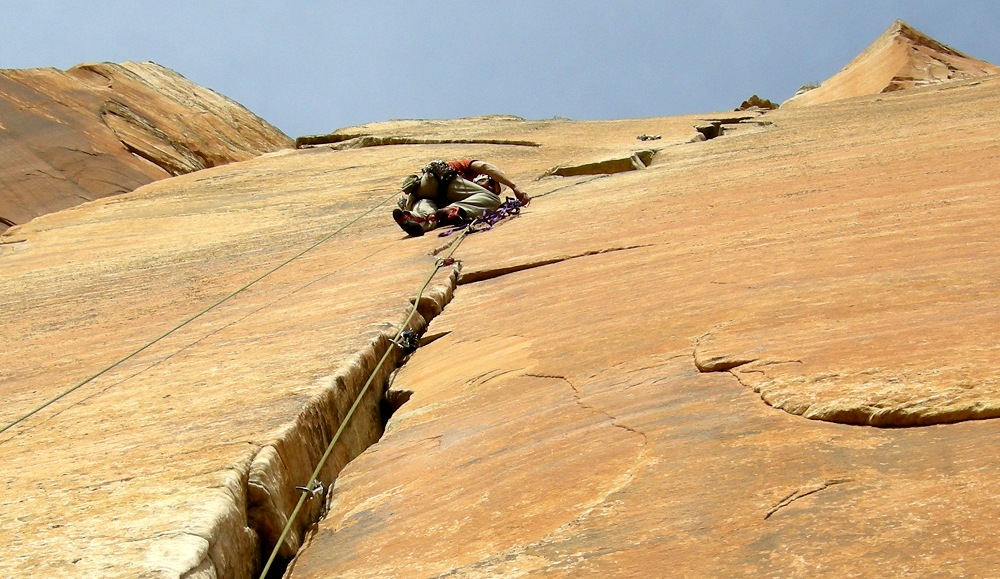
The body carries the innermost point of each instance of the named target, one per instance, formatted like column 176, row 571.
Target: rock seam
column 271, row 480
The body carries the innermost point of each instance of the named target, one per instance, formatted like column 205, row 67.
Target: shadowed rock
column 633, row 162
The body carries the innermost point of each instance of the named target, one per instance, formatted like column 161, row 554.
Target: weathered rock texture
column 96, row 130
column 901, row 58
column 666, row 371
column 600, row 414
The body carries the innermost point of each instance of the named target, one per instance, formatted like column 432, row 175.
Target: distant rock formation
column 902, row 57
column 96, row 130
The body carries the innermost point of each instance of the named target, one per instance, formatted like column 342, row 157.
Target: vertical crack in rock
column 392, row 401
column 275, row 477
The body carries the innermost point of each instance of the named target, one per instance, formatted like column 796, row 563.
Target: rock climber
column 451, row 193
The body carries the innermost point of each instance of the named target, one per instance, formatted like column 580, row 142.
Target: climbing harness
column 443, row 172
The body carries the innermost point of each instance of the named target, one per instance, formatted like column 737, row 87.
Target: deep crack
column 277, row 469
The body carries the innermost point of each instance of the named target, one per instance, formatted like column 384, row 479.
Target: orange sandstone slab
column 182, row 413
column 627, row 369
column 621, row 384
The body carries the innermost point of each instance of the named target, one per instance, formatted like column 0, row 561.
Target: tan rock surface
column 901, row 58
column 562, row 427
column 101, row 129
column 180, row 457
column 619, row 386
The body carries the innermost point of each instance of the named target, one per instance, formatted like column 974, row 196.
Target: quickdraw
column 408, row 341
column 315, row 491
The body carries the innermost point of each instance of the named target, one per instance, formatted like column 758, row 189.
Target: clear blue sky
column 312, row 67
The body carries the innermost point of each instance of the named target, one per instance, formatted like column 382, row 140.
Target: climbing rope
column 512, row 207
column 193, row 318
column 309, row 489
column 403, row 339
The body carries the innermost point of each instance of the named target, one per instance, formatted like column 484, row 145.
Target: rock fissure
column 716, row 127
column 720, row 363
column 716, row 363
column 431, row 338
column 81, row 151
column 635, row 161
column 803, row 492
column 474, row 276
column 579, row 400
column 897, row 414
column 489, row 376
column 278, row 472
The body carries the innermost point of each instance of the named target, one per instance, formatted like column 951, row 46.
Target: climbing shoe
column 408, row 222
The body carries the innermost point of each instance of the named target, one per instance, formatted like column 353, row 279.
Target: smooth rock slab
column 538, row 443
column 560, row 422
column 182, row 459
column 839, row 265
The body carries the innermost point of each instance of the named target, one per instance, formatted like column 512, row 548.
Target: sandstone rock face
column 594, row 405
column 182, row 457
column 685, row 370
column 96, row 130
column 902, row 57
